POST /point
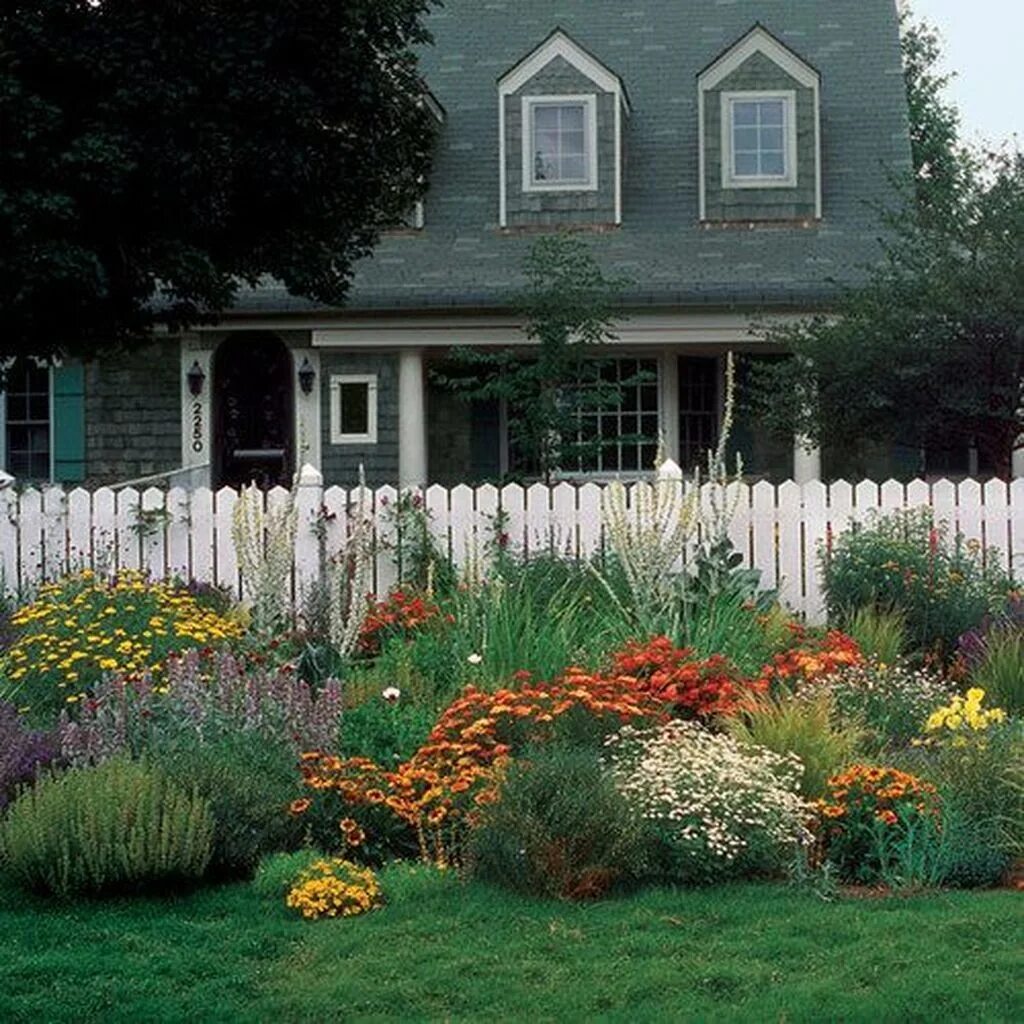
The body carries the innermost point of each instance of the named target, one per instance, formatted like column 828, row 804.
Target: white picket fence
column 176, row 532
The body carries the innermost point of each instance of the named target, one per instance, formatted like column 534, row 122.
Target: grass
column 445, row 951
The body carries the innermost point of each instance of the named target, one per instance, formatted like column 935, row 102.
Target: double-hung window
column 559, row 143
column 759, row 140
column 25, row 414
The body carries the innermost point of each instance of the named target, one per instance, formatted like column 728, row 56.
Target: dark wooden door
column 254, row 429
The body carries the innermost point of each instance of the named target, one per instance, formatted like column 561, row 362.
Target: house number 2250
column 197, row 426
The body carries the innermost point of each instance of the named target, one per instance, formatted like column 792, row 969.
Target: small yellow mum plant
column 82, row 626
column 334, row 888
column 962, row 720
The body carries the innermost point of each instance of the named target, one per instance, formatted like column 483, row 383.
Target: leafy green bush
column 808, row 728
column 387, row 728
column 121, row 825
column 906, row 562
column 559, row 829
column 277, row 872
column 248, row 785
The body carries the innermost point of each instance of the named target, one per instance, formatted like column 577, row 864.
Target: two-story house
column 726, row 159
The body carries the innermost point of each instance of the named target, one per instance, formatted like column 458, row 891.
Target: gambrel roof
column 657, row 50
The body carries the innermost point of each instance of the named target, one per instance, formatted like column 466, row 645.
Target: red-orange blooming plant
column 693, row 687
column 400, row 613
column 810, row 658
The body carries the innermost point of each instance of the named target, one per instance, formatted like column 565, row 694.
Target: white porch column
column 1017, row 464
column 412, row 419
column 806, row 462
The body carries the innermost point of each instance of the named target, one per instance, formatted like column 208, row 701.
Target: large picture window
column 25, row 406
column 759, row 137
column 560, row 143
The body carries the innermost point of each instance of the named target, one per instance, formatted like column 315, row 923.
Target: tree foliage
column 567, row 310
column 929, row 351
column 156, row 155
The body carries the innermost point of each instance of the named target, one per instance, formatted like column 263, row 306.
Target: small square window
column 560, row 145
column 354, row 409
column 759, row 140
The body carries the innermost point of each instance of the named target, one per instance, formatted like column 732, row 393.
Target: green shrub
column 1001, row 672
column 907, row 563
column 559, row 829
column 807, row 728
column 387, row 731
column 880, row 634
column 248, row 786
column 277, row 872
column 121, row 825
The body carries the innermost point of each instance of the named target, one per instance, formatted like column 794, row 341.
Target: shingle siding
column 133, row 414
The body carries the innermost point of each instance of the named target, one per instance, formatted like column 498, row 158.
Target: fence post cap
column 5, row 479
column 670, row 470
column 310, row 476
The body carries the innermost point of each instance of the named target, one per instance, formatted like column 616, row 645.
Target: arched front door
column 253, row 421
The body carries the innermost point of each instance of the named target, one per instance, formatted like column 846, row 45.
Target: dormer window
column 759, row 131
column 560, row 127
column 562, row 151
column 759, row 116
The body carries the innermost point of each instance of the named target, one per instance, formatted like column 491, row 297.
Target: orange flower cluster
column 400, row 612
column 810, row 657
column 880, row 792
column 694, row 688
column 443, row 786
column 865, row 809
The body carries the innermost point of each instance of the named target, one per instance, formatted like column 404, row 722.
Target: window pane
column 744, row 113
column 773, row 164
column 771, row 112
column 572, row 119
column 545, row 118
column 355, row 408
column 745, row 140
column 572, row 142
column 771, row 139
column 574, row 168
column 745, row 164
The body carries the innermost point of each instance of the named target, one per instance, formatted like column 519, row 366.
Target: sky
column 982, row 42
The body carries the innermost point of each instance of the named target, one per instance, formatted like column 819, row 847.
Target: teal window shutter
column 69, row 423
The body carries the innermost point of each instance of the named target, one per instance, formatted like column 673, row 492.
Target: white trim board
column 335, row 384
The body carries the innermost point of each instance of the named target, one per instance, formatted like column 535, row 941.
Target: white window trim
column 370, row 380
column 589, row 103
column 730, row 180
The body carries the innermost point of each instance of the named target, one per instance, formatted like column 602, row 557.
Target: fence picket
column 179, row 529
column 153, row 532
column 9, row 576
column 791, row 580
column 55, row 533
column 30, row 552
column 763, row 534
column 996, row 522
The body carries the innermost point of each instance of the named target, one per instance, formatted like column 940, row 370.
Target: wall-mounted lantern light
column 307, row 376
column 196, row 378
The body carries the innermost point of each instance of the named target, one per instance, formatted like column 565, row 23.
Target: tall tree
column 929, row 352
column 156, row 155
column 940, row 161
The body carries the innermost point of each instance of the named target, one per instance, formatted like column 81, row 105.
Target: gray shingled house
column 725, row 158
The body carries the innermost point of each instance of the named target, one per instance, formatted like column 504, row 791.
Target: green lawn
column 446, row 951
